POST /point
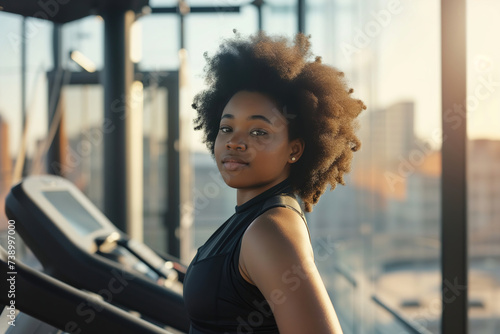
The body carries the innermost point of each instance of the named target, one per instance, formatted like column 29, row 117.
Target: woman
column 278, row 126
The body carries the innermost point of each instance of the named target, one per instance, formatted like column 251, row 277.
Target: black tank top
column 218, row 299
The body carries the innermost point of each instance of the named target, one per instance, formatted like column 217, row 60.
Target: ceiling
column 62, row 11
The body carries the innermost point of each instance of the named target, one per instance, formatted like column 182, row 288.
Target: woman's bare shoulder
column 281, row 229
column 277, row 257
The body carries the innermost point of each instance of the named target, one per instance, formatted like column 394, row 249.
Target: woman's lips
column 233, row 165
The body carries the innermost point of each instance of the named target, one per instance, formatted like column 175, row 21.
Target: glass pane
column 155, row 166
column 159, row 50
column 280, row 17
column 83, row 119
column 86, row 36
column 483, row 167
column 379, row 234
column 17, row 159
column 82, row 111
column 10, row 108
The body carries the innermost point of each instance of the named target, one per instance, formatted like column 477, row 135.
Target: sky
column 400, row 61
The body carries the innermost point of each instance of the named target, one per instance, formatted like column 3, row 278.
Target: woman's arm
column 276, row 255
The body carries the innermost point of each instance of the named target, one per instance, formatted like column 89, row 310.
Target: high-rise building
column 417, row 214
column 483, row 187
column 391, row 132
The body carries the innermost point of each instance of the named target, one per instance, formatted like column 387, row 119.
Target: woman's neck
column 243, row 195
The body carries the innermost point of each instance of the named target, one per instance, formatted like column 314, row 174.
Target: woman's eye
column 258, row 132
column 224, row 129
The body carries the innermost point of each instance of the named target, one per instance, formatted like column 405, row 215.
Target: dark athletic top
column 217, row 298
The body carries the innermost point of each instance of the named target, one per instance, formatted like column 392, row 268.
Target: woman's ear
column 296, row 149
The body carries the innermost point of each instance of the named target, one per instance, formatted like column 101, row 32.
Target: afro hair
column 313, row 97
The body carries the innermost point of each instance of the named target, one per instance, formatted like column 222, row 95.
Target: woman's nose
column 236, row 144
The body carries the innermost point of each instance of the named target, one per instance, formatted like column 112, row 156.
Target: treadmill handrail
column 67, row 308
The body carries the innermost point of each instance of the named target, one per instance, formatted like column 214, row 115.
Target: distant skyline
column 401, row 48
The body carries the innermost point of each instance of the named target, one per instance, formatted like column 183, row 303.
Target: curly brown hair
column 313, row 97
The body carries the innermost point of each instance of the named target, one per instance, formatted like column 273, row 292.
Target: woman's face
column 252, row 148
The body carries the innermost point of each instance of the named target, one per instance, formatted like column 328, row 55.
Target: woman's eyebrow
column 262, row 117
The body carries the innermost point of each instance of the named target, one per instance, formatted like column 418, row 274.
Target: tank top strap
column 285, row 201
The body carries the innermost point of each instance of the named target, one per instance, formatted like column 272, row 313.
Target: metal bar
column 453, row 179
column 200, row 9
column 258, row 4
column 407, row 324
column 84, row 78
column 182, row 26
column 259, row 12
column 54, row 159
column 94, row 78
column 173, row 216
column 118, row 75
column 301, row 15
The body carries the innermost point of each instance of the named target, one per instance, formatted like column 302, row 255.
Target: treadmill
column 78, row 245
column 50, row 306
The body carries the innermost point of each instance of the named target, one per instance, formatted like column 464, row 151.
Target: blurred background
column 377, row 240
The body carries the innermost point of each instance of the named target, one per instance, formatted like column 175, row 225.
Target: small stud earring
column 293, row 158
